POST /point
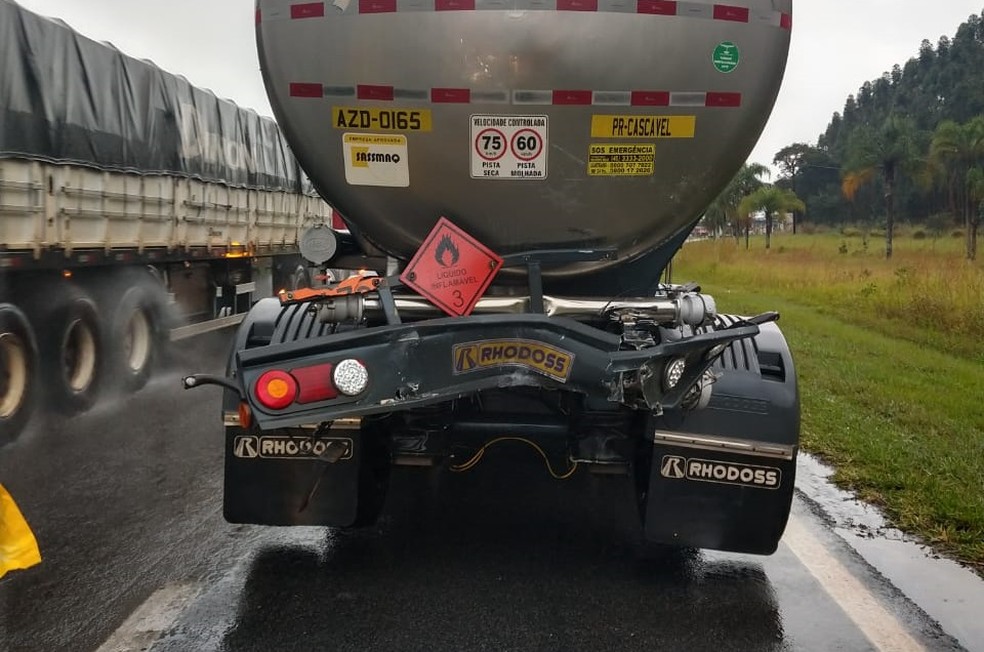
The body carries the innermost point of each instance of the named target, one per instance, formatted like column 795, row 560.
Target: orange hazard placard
column 451, row 269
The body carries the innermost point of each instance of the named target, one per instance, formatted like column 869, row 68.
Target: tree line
column 908, row 146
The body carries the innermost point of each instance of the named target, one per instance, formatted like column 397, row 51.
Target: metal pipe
column 420, row 308
column 692, row 309
column 526, row 426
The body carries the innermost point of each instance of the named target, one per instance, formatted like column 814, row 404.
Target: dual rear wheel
column 77, row 349
column 71, row 347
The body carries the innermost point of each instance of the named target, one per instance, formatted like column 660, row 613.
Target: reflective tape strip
column 307, row 10
column 450, row 95
column 373, row 92
column 688, row 99
column 611, row 98
column 572, row 97
column 377, row 6
column 650, row 98
column 454, row 5
column 301, row 89
column 657, row 7
column 563, row 97
column 577, row 5
column 676, row 8
column 415, row 94
column 338, row 91
column 723, row 100
column 732, row 13
column 532, row 97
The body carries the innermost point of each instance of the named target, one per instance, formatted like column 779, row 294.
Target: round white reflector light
column 351, row 377
column 674, row 372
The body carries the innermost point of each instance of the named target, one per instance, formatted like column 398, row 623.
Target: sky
column 836, row 46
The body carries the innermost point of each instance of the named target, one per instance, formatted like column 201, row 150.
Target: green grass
column 927, row 293
column 899, row 412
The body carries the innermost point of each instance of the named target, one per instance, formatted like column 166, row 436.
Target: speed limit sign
column 490, row 144
column 509, row 147
column 526, row 144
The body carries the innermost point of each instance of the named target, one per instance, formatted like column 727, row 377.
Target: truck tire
column 137, row 335
column 71, row 346
column 290, row 273
column 18, row 372
column 299, row 278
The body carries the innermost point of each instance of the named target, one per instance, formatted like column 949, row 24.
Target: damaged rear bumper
column 417, row 364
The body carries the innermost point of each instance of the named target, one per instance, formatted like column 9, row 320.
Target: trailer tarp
column 65, row 98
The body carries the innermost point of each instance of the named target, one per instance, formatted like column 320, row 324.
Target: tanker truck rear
column 519, row 175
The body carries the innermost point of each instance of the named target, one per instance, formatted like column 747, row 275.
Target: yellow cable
column 477, row 457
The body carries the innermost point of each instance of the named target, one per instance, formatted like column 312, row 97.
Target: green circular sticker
column 726, row 57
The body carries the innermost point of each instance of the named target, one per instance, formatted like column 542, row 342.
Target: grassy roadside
column 900, row 414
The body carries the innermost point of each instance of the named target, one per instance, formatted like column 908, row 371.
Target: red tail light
column 315, row 383
column 276, row 389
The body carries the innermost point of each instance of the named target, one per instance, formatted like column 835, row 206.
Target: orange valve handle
column 357, row 284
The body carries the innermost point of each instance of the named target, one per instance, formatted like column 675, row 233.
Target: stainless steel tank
column 530, row 123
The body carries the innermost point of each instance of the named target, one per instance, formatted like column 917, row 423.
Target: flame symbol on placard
column 446, row 253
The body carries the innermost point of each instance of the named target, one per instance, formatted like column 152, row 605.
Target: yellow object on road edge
column 18, row 547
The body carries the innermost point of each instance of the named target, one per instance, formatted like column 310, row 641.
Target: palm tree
column 975, row 190
column 772, row 201
column 956, row 150
column 724, row 209
column 888, row 152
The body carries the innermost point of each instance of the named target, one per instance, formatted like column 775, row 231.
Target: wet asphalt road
column 126, row 504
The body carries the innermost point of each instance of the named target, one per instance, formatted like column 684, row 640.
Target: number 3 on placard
column 459, row 300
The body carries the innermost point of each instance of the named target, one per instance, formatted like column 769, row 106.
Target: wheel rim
column 136, row 341
column 300, row 279
column 13, row 374
column 79, row 361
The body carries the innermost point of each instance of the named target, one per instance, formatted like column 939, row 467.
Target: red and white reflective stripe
column 676, row 8
column 559, row 97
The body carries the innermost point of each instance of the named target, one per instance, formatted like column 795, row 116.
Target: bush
column 918, row 234
column 938, row 223
column 957, row 233
column 808, row 228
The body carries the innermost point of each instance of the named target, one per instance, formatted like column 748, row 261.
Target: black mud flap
column 285, row 479
column 707, row 499
column 722, row 478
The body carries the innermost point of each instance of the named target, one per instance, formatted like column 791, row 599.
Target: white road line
column 880, row 627
column 151, row 619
